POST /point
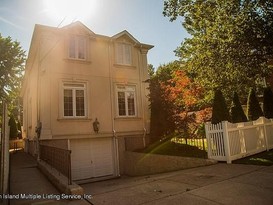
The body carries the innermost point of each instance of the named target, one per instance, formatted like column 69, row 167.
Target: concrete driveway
column 216, row 184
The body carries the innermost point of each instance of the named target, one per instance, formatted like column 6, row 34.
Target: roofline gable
column 126, row 33
column 80, row 25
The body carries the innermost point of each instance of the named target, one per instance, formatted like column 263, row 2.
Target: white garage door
column 92, row 158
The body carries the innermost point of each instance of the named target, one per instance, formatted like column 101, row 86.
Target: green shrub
column 219, row 111
column 13, row 128
column 254, row 110
column 236, row 111
column 268, row 103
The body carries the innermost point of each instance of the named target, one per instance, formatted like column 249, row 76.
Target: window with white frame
column 123, row 54
column 126, row 101
column 74, row 100
column 77, row 48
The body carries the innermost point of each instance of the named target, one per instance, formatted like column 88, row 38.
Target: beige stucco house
column 74, row 79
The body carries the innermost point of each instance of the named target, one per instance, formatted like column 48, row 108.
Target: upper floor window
column 123, row 54
column 77, row 47
column 126, row 101
column 74, row 100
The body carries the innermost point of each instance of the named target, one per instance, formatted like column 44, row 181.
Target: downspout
column 38, row 100
column 116, row 145
column 141, row 95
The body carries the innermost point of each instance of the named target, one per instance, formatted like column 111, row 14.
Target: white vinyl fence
column 227, row 141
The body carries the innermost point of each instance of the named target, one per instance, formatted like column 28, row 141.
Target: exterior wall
column 30, row 105
column 48, row 67
column 63, row 144
column 136, row 142
column 31, row 147
column 127, row 144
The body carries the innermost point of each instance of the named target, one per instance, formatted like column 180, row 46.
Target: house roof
column 76, row 26
column 79, row 25
column 125, row 33
column 130, row 36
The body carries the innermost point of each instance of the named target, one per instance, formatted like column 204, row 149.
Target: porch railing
column 58, row 158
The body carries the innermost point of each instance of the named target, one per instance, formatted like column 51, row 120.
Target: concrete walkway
column 26, row 181
column 216, row 184
column 212, row 185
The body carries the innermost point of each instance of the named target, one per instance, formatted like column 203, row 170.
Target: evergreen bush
column 254, row 110
column 268, row 103
column 13, row 128
column 236, row 111
column 219, row 111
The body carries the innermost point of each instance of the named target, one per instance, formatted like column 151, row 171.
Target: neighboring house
column 74, row 79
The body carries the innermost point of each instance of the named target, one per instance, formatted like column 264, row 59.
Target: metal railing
column 58, row 158
column 199, row 142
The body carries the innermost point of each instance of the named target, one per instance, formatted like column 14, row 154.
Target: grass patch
column 168, row 147
column 262, row 159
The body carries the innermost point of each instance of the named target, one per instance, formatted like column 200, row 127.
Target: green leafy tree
column 254, row 110
column 161, row 115
column 236, row 111
column 13, row 128
column 268, row 103
column 12, row 59
column 219, row 110
column 230, row 41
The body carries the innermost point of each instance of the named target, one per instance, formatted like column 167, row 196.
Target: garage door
column 92, row 158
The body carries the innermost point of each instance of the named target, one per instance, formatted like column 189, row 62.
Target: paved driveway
column 216, row 184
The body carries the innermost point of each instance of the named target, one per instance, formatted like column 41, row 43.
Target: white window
column 74, row 100
column 123, row 54
column 126, row 101
column 77, row 47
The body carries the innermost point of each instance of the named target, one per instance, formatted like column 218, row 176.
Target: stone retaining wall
column 137, row 164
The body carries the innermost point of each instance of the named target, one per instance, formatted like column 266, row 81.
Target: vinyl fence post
column 226, row 142
column 208, row 139
column 265, row 134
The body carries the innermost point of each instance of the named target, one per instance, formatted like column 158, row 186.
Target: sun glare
column 69, row 10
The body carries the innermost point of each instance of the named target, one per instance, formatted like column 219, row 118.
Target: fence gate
column 4, row 151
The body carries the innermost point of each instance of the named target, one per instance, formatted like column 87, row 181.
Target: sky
column 142, row 18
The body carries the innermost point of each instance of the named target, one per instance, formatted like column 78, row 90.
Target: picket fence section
column 230, row 141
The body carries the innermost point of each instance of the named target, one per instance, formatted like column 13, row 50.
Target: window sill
column 74, row 119
column 125, row 66
column 82, row 61
column 128, row 118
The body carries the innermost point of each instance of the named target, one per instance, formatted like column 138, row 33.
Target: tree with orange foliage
column 186, row 96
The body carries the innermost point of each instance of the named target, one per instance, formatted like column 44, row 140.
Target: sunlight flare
column 70, row 10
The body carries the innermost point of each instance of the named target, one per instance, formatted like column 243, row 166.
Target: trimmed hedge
column 236, row 111
column 254, row 110
column 268, row 103
column 219, row 111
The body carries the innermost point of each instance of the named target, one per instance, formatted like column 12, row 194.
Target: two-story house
column 86, row 93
